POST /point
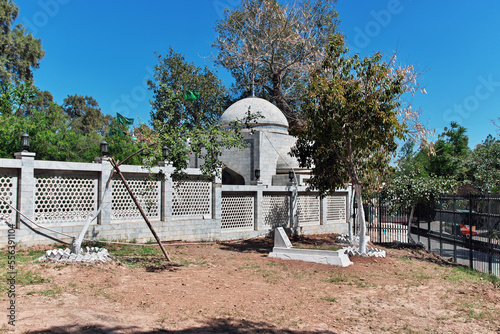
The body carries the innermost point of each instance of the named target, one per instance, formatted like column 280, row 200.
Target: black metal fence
column 464, row 228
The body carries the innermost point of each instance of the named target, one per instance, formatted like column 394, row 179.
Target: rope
column 39, row 226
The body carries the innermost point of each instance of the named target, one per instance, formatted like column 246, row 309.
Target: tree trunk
column 410, row 218
column 361, row 220
column 351, row 216
column 277, row 95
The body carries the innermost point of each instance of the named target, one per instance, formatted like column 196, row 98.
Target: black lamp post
column 104, row 148
column 257, row 174
column 290, row 175
column 25, row 141
column 164, row 152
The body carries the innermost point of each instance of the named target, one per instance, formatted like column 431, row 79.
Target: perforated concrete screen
column 7, row 193
column 192, row 198
column 238, row 212
column 146, row 191
column 308, row 209
column 276, row 210
column 59, row 199
column 336, row 208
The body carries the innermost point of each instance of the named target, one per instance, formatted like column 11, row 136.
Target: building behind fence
column 60, row 196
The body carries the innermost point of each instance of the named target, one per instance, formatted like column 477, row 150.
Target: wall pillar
column 105, row 198
column 258, row 207
column 167, row 194
column 26, row 186
column 322, row 210
column 294, row 212
column 217, row 205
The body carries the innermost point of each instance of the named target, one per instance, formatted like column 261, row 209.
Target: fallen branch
column 143, row 214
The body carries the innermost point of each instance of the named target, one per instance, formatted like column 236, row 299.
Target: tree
column 451, row 149
column 353, row 107
column 42, row 100
column 275, row 46
column 482, row 166
column 85, row 114
column 408, row 191
column 174, row 74
column 20, row 52
column 13, row 98
column 186, row 127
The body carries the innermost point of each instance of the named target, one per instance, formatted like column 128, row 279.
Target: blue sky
column 106, row 49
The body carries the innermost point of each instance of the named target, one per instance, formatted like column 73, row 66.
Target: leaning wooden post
column 113, row 162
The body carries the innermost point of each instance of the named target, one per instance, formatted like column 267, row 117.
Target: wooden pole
column 113, row 162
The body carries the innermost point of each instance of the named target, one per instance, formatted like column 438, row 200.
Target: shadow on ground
column 257, row 245
column 418, row 252
column 265, row 245
column 228, row 326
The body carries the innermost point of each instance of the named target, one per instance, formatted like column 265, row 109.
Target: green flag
column 124, row 120
column 191, row 96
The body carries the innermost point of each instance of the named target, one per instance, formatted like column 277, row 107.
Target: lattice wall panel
column 144, row 189
column 8, row 186
column 336, row 208
column 60, row 199
column 192, row 198
column 238, row 213
column 276, row 210
column 308, row 209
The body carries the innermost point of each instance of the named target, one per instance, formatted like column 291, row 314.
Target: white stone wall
column 261, row 153
column 63, row 184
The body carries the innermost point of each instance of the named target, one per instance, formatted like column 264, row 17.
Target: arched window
column 229, row 176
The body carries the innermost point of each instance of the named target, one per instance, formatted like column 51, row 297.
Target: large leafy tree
column 14, row 98
column 353, row 108
column 188, row 126
column 85, row 114
column 482, row 166
column 451, row 149
column 275, row 46
column 20, row 52
column 174, row 75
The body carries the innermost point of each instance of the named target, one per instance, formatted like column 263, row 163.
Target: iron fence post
column 454, row 229
column 429, row 229
column 471, row 253
column 440, row 233
column 490, row 242
column 379, row 205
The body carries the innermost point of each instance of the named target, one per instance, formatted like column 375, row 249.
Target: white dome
column 272, row 119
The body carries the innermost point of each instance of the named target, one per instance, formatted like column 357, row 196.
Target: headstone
column 281, row 239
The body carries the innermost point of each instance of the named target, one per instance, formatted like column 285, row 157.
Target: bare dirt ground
column 236, row 288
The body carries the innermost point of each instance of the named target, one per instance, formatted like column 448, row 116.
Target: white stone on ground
column 92, row 254
column 353, row 250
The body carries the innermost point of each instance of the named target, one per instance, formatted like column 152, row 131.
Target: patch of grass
column 338, row 278
column 248, row 266
column 319, row 247
column 421, row 274
column 461, row 273
column 29, row 277
column 349, row 280
column 301, row 275
column 53, row 292
column 470, row 312
column 329, row 299
column 271, row 276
